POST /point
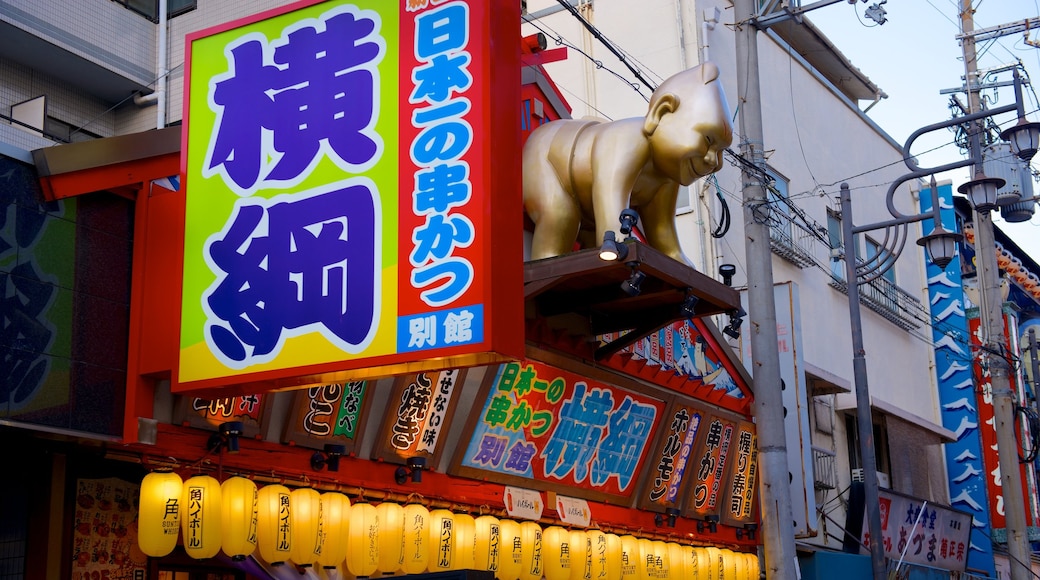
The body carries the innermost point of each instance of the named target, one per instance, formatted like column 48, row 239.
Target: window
column 150, row 8
column 882, row 464
column 873, row 250
column 780, row 211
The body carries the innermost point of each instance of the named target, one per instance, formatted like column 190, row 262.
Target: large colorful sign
column 918, row 532
column 338, row 180
column 544, row 427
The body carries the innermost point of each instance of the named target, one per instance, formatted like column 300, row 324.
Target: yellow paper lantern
column 200, row 516
column 487, row 543
column 158, row 518
column 597, row 559
column 630, row 558
column 715, row 568
column 442, row 541
column 615, row 559
column 305, row 526
column 363, row 540
column 532, row 561
column 739, row 564
column 556, row 551
column 391, row 537
column 238, row 517
column 703, row 565
column 662, row 562
column 273, row 539
column 646, row 568
column 465, row 538
column 416, row 539
column 688, row 566
column 581, row 555
column 510, row 563
column 675, row 561
column 335, row 527
column 752, row 566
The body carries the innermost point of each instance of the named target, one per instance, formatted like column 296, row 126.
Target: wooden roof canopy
column 582, row 294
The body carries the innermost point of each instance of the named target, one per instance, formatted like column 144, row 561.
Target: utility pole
column 992, row 326
column 774, row 485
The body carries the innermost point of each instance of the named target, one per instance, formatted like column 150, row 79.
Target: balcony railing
column 794, row 243
column 823, row 468
column 890, row 301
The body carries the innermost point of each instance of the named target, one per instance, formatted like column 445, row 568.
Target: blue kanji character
column 492, row 448
column 439, row 237
column 435, row 81
column 24, row 332
column 520, row 454
column 457, row 276
column 296, row 276
column 629, row 430
column 441, row 187
column 441, row 30
column 573, row 443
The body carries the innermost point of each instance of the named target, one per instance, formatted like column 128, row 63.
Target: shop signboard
column 543, row 427
column 916, row 531
column 739, row 500
column 328, row 414
column 211, row 413
column 673, row 458
column 710, row 465
column 416, row 418
column 342, row 219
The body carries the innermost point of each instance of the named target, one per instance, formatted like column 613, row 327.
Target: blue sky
column 915, row 55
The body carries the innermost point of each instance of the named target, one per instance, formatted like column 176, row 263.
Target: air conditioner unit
column 882, row 477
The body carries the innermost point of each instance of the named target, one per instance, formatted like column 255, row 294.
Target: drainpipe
column 159, row 96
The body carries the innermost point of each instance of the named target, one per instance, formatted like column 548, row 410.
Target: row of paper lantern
column 324, row 529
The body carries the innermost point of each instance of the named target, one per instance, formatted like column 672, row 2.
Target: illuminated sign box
column 342, row 217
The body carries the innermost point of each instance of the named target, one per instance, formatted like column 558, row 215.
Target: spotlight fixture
column 689, row 305
column 413, row 471
column 612, row 250
column 727, row 271
column 667, row 518
column 736, row 318
column 628, row 218
column 709, row 522
column 633, row 286
column 748, row 531
column 329, row 457
column 226, row 437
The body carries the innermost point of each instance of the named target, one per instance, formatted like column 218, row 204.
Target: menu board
column 104, row 536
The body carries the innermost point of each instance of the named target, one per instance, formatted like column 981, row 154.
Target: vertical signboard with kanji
column 673, row 458
column 416, row 420
column 710, row 467
column 341, row 216
column 738, row 501
column 543, row 427
column 331, row 413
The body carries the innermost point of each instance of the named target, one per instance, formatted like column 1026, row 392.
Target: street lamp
column 940, row 246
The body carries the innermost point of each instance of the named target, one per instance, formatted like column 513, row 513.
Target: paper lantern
column 630, row 558
column 487, row 543
column 200, row 516
column 737, row 564
column 615, row 559
column 158, row 518
column 715, row 566
column 442, row 541
column 581, row 555
column 363, row 540
column 556, row 551
column 597, row 559
column 646, row 568
column 532, row 562
column 688, row 564
column 238, row 517
column 391, row 537
column 416, row 539
column 752, row 566
column 273, row 539
column 305, row 526
column 335, row 527
column 510, row 563
column 702, row 564
column 465, row 530
column 676, row 567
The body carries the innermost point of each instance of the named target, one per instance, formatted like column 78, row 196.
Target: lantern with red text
column 238, row 517
column 363, row 540
column 416, row 539
column 510, row 562
column 391, row 537
column 200, row 518
column 305, row 526
column 335, row 526
column 487, row 543
column 272, row 524
column 442, row 541
column 158, row 520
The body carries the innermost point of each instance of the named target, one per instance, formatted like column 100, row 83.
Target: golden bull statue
column 580, row 174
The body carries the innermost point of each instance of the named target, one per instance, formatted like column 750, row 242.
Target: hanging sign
column 342, row 214
column 330, row 413
column 573, row 511
column 739, row 498
column 711, row 462
column 416, row 417
column 673, row 458
column 544, row 425
column 523, row 504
